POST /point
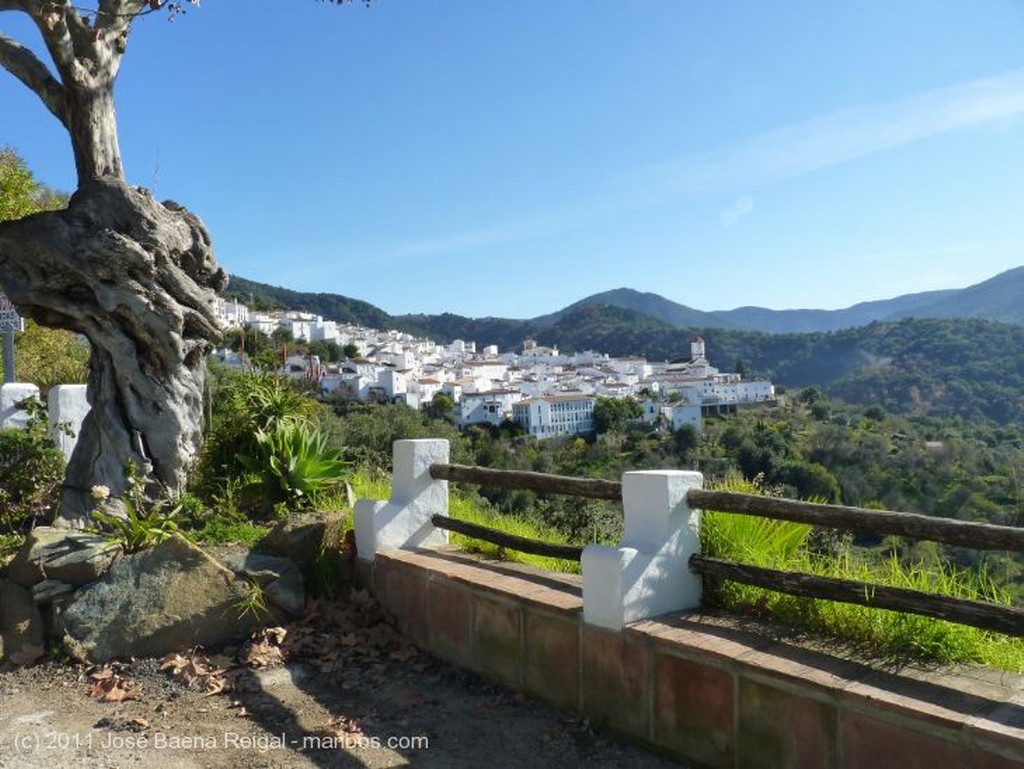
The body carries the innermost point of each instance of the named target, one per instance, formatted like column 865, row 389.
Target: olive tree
column 136, row 276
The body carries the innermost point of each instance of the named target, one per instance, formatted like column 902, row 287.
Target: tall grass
column 877, row 632
column 366, row 485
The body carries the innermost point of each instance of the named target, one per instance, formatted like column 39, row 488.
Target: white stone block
column 648, row 574
column 11, row 394
column 68, row 406
column 404, row 520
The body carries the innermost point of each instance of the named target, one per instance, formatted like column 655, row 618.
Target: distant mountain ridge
column 1000, row 298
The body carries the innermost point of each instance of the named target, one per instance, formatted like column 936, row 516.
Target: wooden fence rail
column 511, row 541
column 517, row 479
column 982, row 536
column 982, row 614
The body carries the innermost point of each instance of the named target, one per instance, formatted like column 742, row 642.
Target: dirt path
column 340, row 689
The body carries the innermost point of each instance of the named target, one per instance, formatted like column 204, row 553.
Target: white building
column 232, row 314
column 554, row 415
column 493, row 407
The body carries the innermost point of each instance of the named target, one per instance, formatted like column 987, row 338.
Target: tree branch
column 118, row 14
column 23, row 64
column 27, row 6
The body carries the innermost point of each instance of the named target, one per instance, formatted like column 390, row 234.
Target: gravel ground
column 341, row 688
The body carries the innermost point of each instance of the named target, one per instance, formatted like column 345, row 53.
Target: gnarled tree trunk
column 139, row 280
column 136, row 277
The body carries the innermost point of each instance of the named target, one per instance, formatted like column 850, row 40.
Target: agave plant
column 294, row 463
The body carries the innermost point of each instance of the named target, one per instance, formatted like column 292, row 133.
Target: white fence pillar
column 67, row 405
column 404, row 520
column 11, row 394
column 648, row 573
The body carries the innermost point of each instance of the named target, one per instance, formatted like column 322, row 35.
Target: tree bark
column 136, row 277
column 139, row 280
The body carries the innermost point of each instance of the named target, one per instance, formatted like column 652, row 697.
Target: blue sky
column 509, row 158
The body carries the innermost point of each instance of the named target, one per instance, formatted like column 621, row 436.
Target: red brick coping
column 706, row 692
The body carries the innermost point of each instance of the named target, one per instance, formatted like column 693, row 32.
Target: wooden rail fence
column 981, row 536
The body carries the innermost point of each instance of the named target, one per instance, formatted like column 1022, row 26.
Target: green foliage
column 326, row 351
column 253, row 603
column 244, row 406
column 615, row 413
column 466, row 510
column 139, row 529
column 750, row 538
column 878, row 632
column 441, row 407
column 332, row 306
column 227, row 529
column 368, row 432
column 20, row 193
column 293, row 464
column 141, row 523
column 31, row 472
column 48, row 356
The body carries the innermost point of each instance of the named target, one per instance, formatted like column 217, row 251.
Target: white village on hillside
column 546, row 392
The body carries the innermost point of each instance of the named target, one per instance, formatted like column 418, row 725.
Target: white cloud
column 790, row 151
column 848, row 134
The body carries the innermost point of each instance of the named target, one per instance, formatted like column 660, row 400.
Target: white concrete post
column 11, row 395
column 648, row 573
column 67, row 404
column 404, row 520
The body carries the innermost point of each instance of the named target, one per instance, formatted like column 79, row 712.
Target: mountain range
column 998, row 299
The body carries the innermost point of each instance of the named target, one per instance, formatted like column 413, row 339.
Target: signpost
column 10, row 322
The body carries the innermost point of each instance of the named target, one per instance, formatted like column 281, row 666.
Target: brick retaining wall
column 706, row 692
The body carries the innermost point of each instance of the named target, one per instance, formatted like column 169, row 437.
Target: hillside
column 971, row 368
column 806, row 321
column 652, row 305
column 998, row 299
column 331, row 306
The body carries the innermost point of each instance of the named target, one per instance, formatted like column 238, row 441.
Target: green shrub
column 878, row 632
column 244, row 405
column 31, row 472
column 293, row 465
column 142, row 523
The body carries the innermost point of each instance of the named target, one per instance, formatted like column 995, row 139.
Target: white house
column 492, row 407
column 232, row 314
column 554, row 415
column 395, row 382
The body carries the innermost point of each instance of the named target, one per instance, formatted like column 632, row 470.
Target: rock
column 53, row 617
column 317, row 543
column 279, row 578
column 22, row 633
column 302, row 537
column 170, row 597
column 48, row 589
column 75, row 557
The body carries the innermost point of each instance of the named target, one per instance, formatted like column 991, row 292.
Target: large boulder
column 67, row 555
column 170, row 597
column 22, row 632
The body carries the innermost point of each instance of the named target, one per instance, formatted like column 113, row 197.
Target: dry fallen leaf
column 115, row 688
